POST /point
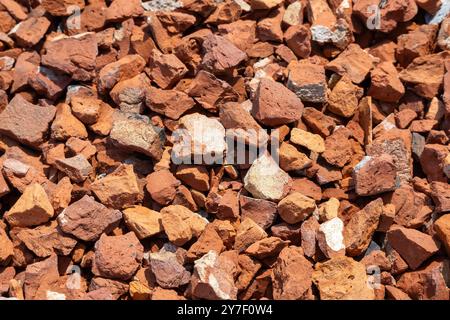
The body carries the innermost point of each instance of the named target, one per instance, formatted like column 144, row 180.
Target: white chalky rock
column 212, row 280
column 440, row 15
column 258, row 68
column 201, row 137
column 331, row 238
column 162, row 5
column 266, row 180
column 52, row 295
column 7, row 63
column 244, row 5
column 338, row 36
column 443, row 38
column 292, row 16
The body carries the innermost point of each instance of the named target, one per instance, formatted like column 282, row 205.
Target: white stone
column 443, row 38
column 205, row 270
column 200, row 136
column 265, row 179
column 17, row 167
column 52, row 295
column 440, row 15
column 338, row 36
column 292, row 16
column 8, row 63
column 244, row 5
column 331, row 236
column 162, row 5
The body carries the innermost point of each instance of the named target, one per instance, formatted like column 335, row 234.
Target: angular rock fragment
column 441, row 196
column 6, row 276
column 375, row 175
column 266, row 248
column 261, row 211
column 181, row 224
column 199, row 137
column 240, row 125
column 385, row 83
column 165, row 69
column 220, row 54
column 121, row 10
column 414, row 246
column 313, row 142
column 330, row 238
column 274, row 104
column 123, row 69
column 171, row 103
column 6, row 249
column 344, row 97
column 143, row 221
column 135, row 133
column 130, row 94
column 66, row 125
column 396, row 143
column 118, row 189
column 416, row 43
column 46, row 239
column 296, row 207
column 208, row 240
column 210, row 92
column 162, row 186
column 338, row 149
column 361, row 226
column 269, row 28
column 354, row 62
column 425, row 74
column 31, row 209
column 74, row 55
column 308, row 233
column 291, row 159
column 86, row 109
column 117, row 257
column 213, row 278
column 342, row 278
column 308, row 81
column 77, row 168
column 298, row 39
column 168, row 271
column 428, row 283
column 266, row 180
column 62, row 8
column 88, row 219
column 29, row 32
column 328, row 28
column 318, row 122
column 292, row 275
column 196, row 177
column 248, row 233
column 26, row 122
column 40, row 278
column 48, row 82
